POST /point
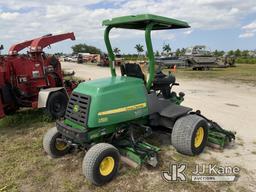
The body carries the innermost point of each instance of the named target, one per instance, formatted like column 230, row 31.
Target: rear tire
column 52, row 146
column 189, row 134
column 101, row 163
column 56, row 104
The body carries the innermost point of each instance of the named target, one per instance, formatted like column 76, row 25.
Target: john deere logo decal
column 76, row 108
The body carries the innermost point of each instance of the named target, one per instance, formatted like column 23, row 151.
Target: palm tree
column 139, row 48
column 183, row 51
column 178, row 52
column 167, row 48
column 116, row 50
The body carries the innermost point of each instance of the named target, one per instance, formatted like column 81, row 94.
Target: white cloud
column 249, row 30
column 246, row 35
column 34, row 18
column 9, row 16
column 63, row 10
column 163, row 35
column 251, row 26
column 188, row 32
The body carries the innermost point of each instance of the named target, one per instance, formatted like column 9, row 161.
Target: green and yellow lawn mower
column 111, row 117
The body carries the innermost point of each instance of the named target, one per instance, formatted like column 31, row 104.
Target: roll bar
column 150, row 51
column 146, row 22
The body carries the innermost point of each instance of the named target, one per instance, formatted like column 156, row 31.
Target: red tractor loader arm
column 19, row 46
column 14, row 49
column 39, row 44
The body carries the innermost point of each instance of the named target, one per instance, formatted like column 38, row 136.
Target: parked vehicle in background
column 119, row 60
column 70, row 59
column 88, row 58
column 200, row 57
column 229, row 60
column 171, row 61
column 80, row 58
column 104, row 62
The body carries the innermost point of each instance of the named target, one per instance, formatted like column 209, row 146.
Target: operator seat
column 162, row 80
column 163, row 83
column 132, row 70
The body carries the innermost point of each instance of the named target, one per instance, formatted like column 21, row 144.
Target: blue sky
column 219, row 24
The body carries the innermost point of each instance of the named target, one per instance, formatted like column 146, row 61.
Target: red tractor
column 34, row 79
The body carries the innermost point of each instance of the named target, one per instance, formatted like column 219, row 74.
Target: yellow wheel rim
column 199, row 137
column 60, row 145
column 107, row 165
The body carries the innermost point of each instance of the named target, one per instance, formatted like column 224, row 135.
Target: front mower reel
column 133, row 146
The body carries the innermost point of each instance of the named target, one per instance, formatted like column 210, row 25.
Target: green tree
column 218, row 53
column 183, row 51
column 116, row 50
column 157, row 54
column 139, row 48
column 178, row 52
column 245, row 53
column 215, row 53
column 237, row 53
column 59, row 54
column 230, row 53
column 222, row 53
column 167, row 48
column 84, row 48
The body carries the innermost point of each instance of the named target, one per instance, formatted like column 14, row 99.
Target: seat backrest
column 132, row 70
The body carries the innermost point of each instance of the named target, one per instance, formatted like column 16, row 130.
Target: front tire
column 56, row 104
column 189, row 134
column 52, row 146
column 101, row 163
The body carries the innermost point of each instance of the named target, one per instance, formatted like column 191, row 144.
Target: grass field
column 242, row 72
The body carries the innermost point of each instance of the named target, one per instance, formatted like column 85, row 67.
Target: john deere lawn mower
column 111, row 117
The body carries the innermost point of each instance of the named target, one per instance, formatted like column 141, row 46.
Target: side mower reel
column 217, row 136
